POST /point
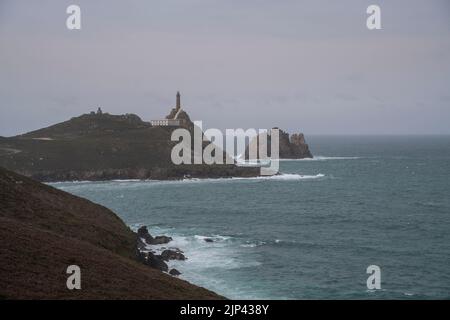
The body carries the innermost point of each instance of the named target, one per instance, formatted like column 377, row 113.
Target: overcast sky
column 310, row 66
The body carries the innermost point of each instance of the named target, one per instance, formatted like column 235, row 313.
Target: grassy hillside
column 102, row 147
column 43, row 230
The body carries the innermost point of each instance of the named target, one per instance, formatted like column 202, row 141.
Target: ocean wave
column 70, row 182
column 97, row 181
column 203, row 258
column 202, row 255
column 282, row 176
column 143, row 183
column 214, row 238
column 253, row 244
column 275, row 242
column 322, row 158
column 293, row 176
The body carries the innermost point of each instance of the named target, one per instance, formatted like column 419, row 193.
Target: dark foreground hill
column 103, row 147
column 44, row 230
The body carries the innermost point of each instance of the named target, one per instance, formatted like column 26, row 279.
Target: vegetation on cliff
column 103, row 147
column 44, row 230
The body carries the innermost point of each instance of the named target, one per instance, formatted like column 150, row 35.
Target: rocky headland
column 43, row 230
column 101, row 146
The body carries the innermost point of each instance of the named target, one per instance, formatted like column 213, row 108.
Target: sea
column 312, row 231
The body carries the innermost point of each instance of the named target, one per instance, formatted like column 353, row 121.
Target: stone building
column 175, row 118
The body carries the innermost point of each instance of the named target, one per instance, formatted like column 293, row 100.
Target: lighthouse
column 172, row 119
column 178, row 106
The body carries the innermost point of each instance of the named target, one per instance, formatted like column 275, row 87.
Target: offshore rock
column 172, row 255
column 293, row 147
column 174, row 272
column 144, row 234
column 155, row 261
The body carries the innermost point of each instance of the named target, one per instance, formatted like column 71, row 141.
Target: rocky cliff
column 293, row 147
column 290, row 147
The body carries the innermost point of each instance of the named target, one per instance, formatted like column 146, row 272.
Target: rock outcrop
column 148, row 257
column 171, row 254
column 174, row 272
column 293, row 147
column 144, row 234
column 152, row 260
column 161, row 240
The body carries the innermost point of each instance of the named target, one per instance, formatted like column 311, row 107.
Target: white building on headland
column 171, row 121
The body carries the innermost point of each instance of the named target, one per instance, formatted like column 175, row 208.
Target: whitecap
column 322, row 158
column 293, row 176
column 214, row 238
column 112, row 184
column 253, row 244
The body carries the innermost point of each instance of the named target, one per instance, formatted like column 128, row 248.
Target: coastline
column 52, row 229
column 279, row 176
column 172, row 173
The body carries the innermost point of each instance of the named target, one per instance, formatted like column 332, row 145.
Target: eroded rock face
column 298, row 139
column 161, row 240
column 293, row 147
column 174, row 272
column 290, row 147
column 150, row 258
column 141, row 244
column 144, row 234
column 170, row 254
column 153, row 261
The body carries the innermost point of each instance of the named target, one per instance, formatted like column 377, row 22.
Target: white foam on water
column 282, row 176
column 253, row 244
column 294, row 176
column 70, row 182
column 134, row 183
column 322, row 158
column 205, row 259
column 258, row 243
column 214, row 238
column 115, row 185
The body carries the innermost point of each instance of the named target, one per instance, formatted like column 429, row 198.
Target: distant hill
column 103, row 147
column 44, row 230
column 89, row 124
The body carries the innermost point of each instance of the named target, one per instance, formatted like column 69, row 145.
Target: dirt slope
column 43, row 230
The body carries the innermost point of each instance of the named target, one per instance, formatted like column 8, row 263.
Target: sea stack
column 290, row 147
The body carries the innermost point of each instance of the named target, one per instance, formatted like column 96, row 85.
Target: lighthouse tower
column 178, row 106
column 172, row 119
